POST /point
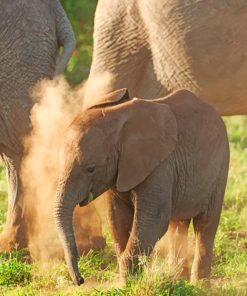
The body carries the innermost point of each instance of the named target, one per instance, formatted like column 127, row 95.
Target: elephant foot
column 12, row 238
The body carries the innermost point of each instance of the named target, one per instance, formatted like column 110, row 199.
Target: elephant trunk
column 63, row 217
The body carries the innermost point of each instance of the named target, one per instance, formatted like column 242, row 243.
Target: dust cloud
column 56, row 104
column 51, row 114
column 96, row 88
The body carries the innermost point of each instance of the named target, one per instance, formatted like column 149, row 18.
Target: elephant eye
column 91, row 168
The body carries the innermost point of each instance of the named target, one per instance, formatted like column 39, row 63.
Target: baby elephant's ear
column 111, row 99
column 147, row 138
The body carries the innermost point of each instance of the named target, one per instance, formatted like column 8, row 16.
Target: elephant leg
column 14, row 233
column 205, row 233
column 178, row 247
column 120, row 215
column 151, row 219
column 205, row 227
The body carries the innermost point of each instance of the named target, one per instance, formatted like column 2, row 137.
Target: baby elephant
column 164, row 163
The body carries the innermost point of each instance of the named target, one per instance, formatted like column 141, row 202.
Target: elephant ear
column 146, row 139
column 111, row 99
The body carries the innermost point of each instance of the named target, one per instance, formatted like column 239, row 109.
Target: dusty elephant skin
column 163, row 161
column 156, row 47
column 31, row 33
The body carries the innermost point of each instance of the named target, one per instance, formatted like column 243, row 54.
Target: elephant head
column 114, row 143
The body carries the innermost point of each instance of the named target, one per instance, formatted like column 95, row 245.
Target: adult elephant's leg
column 14, row 233
column 178, row 247
column 120, row 215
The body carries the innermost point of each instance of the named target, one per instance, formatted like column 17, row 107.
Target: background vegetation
column 81, row 15
column 229, row 274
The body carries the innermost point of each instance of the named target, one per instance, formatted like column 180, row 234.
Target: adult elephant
column 31, row 33
column 156, row 47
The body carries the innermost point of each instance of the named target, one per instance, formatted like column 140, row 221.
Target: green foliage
column 81, row 15
column 101, row 265
column 159, row 287
column 13, row 271
column 26, row 292
column 3, row 187
column 232, row 264
column 237, row 131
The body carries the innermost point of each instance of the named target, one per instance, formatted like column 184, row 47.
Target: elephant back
column 198, row 45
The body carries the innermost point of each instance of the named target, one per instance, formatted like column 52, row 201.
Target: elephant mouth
column 83, row 203
column 86, row 201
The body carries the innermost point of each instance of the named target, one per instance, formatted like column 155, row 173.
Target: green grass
column 229, row 270
column 13, row 271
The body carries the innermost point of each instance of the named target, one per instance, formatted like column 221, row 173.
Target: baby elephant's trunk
column 63, row 213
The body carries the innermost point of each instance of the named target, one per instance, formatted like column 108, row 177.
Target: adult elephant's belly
column 28, row 46
column 205, row 46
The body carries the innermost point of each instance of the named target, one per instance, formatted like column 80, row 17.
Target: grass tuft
column 101, row 265
column 13, row 271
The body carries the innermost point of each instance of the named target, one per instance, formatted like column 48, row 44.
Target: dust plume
column 52, row 113
column 56, row 104
column 96, row 88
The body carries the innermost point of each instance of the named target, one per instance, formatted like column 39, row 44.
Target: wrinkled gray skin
column 31, row 33
column 163, row 161
column 156, row 47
